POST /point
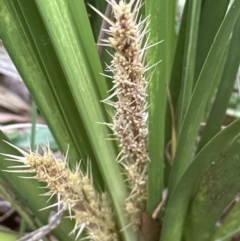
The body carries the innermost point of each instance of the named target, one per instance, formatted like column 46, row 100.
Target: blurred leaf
column 43, row 136
column 7, row 236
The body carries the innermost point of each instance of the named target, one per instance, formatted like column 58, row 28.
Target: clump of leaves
column 75, row 190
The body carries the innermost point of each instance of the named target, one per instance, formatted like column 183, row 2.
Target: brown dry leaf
column 150, row 228
column 7, row 67
column 14, row 95
column 16, row 86
column 12, row 102
column 237, row 238
column 10, row 117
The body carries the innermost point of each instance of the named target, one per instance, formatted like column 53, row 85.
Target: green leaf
column 208, row 29
column 85, row 35
column 95, row 19
column 23, row 212
column 174, row 90
column 177, row 68
column 200, row 97
column 63, row 32
column 189, row 59
column 32, row 52
column 218, row 110
column 6, row 235
column 162, row 27
column 217, row 189
column 230, row 225
column 71, row 93
column 42, row 134
column 215, row 152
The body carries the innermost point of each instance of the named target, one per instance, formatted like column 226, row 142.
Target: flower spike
column 126, row 36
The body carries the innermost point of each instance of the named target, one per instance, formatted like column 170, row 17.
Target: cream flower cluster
column 129, row 120
column 74, row 190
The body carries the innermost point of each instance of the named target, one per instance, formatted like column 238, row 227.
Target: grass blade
column 162, row 27
column 189, row 59
column 58, row 19
column 85, row 35
column 226, row 141
column 224, row 92
column 210, row 10
column 46, row 82
column 200, row 97
column 216, row 191
column 177, row 70
column 229, row 226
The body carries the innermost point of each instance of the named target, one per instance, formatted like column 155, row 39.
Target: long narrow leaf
column 210, row 11
column 225, row 142
column 189, row 59
column 217, row 189
column 200, row 97
column 47, row 85
column 85, row 35
column 162, row 27
column 58, row 86
column 177, row 67
column 224, row 92
column 174, row 90
column 62, row 29
column 230, row 225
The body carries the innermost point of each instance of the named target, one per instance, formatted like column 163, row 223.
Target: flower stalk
column 129, row 120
